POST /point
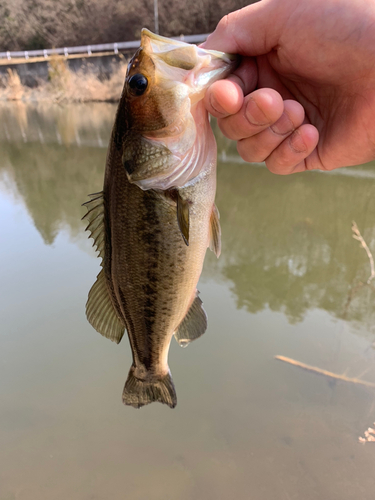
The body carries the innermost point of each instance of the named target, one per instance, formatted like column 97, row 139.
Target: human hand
column 303, row 97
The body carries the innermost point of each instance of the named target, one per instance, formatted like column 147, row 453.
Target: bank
column 76, row 78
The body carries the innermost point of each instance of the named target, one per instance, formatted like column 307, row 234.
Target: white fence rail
column 90, row 49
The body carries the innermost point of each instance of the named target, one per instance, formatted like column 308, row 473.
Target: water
column 246, row 425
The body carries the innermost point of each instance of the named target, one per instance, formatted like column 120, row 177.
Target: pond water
column 291, row 281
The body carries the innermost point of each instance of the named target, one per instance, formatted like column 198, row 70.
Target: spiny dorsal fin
column 193, row 325
column 183, row 217
column 95, row 216
column 101, row 313
column 215, row 232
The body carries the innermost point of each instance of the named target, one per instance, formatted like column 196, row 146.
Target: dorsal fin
column 193, row 325
column 215, row 232
column 95, row 216
column 101, row 312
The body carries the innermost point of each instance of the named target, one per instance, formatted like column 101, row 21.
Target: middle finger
column 260, row 109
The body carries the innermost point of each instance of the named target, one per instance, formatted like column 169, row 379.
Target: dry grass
column 14, row 87
column 65, row 85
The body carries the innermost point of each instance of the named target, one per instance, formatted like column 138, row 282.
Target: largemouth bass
column 156, row 216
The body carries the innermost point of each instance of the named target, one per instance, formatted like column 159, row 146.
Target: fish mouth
column 213, row 65
column 181, row 62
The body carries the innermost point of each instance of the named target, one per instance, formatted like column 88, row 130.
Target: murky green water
column 246, row 426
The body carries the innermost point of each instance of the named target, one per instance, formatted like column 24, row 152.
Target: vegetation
column 39, row 24
column 64, row 85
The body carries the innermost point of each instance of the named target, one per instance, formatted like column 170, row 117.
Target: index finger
column 225, row 97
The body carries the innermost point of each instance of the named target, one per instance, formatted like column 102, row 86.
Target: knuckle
column 250, row 153
column 280, row 163
column 223, row 23
column 226, row 129
column 227, row 27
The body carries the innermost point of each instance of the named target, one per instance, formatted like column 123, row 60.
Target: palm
column 342, row 115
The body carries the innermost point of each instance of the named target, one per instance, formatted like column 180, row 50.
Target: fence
column 90, row 49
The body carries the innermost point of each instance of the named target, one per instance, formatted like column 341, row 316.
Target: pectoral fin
column 215, row 232
column 183, row 217
column 193, row 325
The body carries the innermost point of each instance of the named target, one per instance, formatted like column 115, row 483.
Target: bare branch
column 357, row 236
column 324, row 372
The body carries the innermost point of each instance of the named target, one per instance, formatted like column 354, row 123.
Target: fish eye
column 138, row 84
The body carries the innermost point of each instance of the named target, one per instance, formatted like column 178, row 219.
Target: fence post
column 89, row 50
column 26, row 54
column 45, row 53
column 65, row 52
column 8, row 55
column 115, row 48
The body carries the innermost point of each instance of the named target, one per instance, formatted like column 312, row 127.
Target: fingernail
column 297, row 143
column 283, row 126
column 254, row 114
column 216, row 106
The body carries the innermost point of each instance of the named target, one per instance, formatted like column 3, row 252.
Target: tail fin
column 139, row 392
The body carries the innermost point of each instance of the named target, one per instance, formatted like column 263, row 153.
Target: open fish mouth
column 169, row 137
column 177, row 61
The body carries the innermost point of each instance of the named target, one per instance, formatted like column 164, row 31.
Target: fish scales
column 161, row 277
column 158, row 212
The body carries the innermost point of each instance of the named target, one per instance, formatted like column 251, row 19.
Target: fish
column 156, row 216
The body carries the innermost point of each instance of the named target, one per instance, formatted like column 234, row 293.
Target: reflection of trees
column 80, row 124
column 53, row 181
column 287, row 241
column 45, row 150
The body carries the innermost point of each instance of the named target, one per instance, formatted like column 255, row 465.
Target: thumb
column 251, row 31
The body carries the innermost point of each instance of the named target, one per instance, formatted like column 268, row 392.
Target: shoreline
column 60, row 83
column 21, row 60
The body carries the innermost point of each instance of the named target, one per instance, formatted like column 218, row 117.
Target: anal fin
column 101, row 312
column 215, row 232
column 193, row 325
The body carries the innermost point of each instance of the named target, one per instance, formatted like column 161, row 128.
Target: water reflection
column 51, row 158
column 45, row 123
column 246, row 425
column 287, row 241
